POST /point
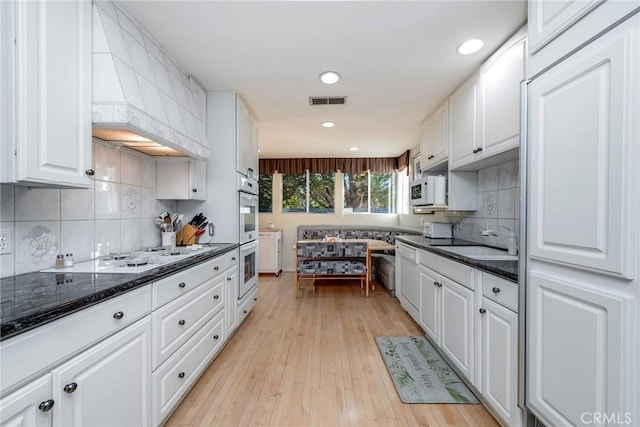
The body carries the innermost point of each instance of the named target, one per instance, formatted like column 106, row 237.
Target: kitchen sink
column 481, row 253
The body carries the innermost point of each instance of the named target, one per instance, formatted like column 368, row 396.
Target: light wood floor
column 312, row 361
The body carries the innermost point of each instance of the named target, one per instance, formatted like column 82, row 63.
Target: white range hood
column 141, row 98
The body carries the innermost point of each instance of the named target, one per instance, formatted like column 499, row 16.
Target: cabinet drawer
column 455, row 271
column 174, row 378
column 501, row 291
column 231, row 258
column 407, row 252
column 32, row 352
column 174, row 286
column 247, row 304
column 176, row 322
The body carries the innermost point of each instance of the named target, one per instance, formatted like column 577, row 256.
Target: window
column 308, row 192
column 370, row 192
column 265, row 193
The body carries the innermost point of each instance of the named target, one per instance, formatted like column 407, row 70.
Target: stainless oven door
column 248, row 268
column 248, row 217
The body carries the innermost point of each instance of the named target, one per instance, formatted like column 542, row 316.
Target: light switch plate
column 6, row 240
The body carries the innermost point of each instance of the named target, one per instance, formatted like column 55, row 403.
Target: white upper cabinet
column 247, row 141
column 584, row 112
column 485, row 111
column 499, row 112
column 434, row 142
column 47, row 89
column 181, row 179
column 463, row 124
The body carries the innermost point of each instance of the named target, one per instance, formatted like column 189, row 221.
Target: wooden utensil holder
column 187, row 236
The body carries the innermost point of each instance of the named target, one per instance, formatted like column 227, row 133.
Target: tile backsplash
column 115, row 215
column 498, row 205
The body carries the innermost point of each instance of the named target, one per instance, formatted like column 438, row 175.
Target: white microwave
column 422, row 192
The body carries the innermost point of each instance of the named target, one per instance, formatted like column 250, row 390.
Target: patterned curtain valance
column 331, row 165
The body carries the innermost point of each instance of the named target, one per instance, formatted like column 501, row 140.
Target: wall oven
column 248, row 268
column 248, row 203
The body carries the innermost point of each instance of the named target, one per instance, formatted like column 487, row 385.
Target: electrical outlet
column 6, row 240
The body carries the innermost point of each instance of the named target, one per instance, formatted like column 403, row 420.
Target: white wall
column 289, row 222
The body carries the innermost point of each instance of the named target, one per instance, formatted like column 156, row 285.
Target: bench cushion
column 331, row 267
column 331, row 249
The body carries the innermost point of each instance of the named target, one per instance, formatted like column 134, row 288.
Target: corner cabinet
column 46, row 93
column 181, row 179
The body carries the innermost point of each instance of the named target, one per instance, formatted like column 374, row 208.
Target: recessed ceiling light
column 329, row 77
column 470, row 46
column 328, row 124
column 353, row 149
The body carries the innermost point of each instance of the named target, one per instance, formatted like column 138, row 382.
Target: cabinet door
column 500, row 360
column 430, row 303
column 499, row 113
column 53, row 73
column 463, row 122
column 583, row 161
column 231, row 298
column 457, row 329
column 549, row 18
column 243, row 129
column 440, row 139
column 198, row 179
column 410, row 278
column 576, row 355
column 426, row 136
column 30, row 406
column 109, row 384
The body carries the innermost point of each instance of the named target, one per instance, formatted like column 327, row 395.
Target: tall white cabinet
column 583, row 207
column 46, row 93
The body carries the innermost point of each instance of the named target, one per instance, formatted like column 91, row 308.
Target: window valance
column 335, row 164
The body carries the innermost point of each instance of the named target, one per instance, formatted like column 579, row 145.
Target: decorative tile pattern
column 37, row 244
column 131, row 206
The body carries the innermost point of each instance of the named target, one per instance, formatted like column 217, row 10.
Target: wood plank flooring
column 312, row 361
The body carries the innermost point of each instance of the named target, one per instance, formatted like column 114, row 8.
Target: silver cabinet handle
column 482, row 311
column 90, row 172
column 70, row 388
column 233, row 258
column 181, row 322
column 118, row 315
column 195, row 190
column 215, row 337
column 181, row 375
column 216, row 268
column 182, row 285
column 228, row 279
column 216, row 296
column 496, row 290
column 47, row 405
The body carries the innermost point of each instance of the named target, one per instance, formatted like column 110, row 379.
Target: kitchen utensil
column 200, row 232
column 202, row 226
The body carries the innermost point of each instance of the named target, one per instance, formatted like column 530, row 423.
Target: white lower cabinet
column 231, row 293
column 499, row 360
column 29, row 406
column 446, row 314
column 176, row 376
column 408, row 276
column 246, row 305
column 107, row 385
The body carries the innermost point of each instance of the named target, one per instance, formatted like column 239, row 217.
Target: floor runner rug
column 419, row 372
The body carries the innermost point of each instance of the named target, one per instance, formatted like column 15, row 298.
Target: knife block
column 187, row 236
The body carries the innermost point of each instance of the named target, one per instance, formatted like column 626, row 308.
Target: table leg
column 366, row 282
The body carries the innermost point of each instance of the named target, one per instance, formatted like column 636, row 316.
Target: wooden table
column 373, row 245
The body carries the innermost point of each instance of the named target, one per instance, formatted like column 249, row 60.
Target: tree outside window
column 265, row 193
column 370, row 192
column 308, row 192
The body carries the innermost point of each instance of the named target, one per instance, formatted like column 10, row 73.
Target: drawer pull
column 215, row 337
column 233, row 258
column 181, row 375
column 70, row 388
column 228, row 279
column 182, row 285
column 496, row 290
column 255, row 299
column 181, row 322
column 90, row 172
column 482, row 311
column 435, row 283
column 47, row 405
column 118, row 315
column 216, row 296
column 244, row 311
column 216, row 268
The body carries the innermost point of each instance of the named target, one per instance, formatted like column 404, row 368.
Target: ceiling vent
column 323, row 100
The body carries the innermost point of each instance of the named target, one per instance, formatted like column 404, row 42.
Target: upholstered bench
column 318, row 259
column 383, row 264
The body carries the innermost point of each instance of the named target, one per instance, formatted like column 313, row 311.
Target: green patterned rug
column 420, row 374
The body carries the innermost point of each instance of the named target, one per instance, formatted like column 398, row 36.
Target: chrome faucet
column 511, row 239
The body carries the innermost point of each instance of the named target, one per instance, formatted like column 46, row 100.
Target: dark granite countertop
column 33, row 299
column 506, row 269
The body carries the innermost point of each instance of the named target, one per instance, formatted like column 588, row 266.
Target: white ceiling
column 397, row 60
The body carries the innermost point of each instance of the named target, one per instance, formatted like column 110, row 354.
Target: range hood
column 141, row 98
